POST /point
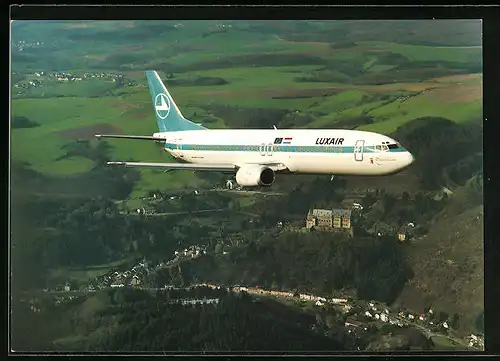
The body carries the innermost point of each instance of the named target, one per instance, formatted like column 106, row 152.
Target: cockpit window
column 393, row 146
column 378, row 147
column 384, row 147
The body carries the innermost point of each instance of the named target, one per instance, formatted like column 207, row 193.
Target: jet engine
column 255, row 175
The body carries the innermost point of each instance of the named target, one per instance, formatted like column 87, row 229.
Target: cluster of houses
column 35, row 83
column 319, row 301
column 369, row 312
column 192, row 251
column 199, row 301
column 426, row 319
column 114, row 278
column 63, row 76
column 68, row 77
column 137, row 275
column 375, row 312
column 475, row 341
column 21, row 44
column 146, row 210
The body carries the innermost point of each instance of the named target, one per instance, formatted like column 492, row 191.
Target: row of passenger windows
column 278, row 148
column 265, row 149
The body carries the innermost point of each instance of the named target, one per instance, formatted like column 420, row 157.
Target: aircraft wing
column 277, row 167
column 142, row 137
column 178, row 166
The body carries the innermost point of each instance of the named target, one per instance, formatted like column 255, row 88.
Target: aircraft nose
column 410, row 158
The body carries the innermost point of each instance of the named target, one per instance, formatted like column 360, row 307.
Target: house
column 353, row 323
column 338, row 300
column 135, row 281
column 201, row 301
column 403, row 234
column 319, row 218
column 306, row 297
column 326, row 219
column 357, row 206
column 406, row 232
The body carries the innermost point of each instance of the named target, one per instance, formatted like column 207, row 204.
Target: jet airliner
column 254, row 156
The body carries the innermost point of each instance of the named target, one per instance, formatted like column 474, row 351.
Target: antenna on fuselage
column 274, row 126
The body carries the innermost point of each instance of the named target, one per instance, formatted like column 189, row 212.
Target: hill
column 134, row 320
column 448, row 264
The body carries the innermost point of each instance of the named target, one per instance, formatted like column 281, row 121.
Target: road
column 246, row 192
column 174, row 213
column 190, row 191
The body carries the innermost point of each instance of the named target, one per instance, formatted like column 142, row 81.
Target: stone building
column 326, row 219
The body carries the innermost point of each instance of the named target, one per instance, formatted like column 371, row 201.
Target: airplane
column 255, row 156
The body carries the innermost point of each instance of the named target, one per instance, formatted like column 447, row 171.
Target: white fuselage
column 314, row 151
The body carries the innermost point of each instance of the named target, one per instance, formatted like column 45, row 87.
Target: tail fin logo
column 162, row 106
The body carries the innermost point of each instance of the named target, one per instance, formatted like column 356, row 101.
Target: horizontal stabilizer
column 141, row 137
column 186, row 166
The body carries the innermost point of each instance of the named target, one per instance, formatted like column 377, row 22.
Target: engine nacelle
column 255, row 175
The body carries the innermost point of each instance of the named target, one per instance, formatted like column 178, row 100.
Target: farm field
column 239, row 65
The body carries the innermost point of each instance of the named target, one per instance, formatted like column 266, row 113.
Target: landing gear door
column 358, row 150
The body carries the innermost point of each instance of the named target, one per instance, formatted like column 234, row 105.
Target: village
column 360, row 316
column 40, row 79
column 22, row 44
column 141, row 274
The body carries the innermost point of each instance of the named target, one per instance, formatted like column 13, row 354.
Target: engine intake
column 255, row 175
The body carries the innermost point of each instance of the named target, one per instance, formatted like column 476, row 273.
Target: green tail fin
column 168, row 115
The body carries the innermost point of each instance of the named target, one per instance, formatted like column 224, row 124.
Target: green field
column 444, row 343
column 84, row 274
column 62, row 108
column 431, row 53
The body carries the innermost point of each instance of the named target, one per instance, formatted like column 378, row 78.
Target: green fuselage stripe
column 277, row 148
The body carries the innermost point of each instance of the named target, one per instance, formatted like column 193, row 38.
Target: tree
column 443, row 316
column 480, row 322
column 219, row 248
column 455, row 321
